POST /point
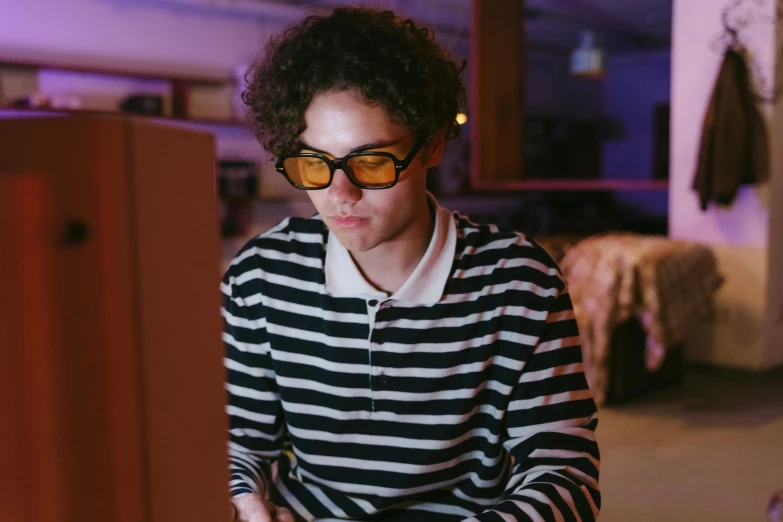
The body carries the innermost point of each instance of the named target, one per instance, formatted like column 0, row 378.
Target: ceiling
column 552, row 26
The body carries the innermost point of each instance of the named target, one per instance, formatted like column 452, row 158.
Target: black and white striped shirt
column 368, row 407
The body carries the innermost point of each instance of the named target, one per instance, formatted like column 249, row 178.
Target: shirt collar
column 424, row 286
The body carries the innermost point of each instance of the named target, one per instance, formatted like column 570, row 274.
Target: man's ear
column 435, row 149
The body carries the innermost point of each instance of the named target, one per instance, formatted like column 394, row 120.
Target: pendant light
column 588, row 60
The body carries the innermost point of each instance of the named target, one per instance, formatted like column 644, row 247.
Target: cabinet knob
column 76, row 233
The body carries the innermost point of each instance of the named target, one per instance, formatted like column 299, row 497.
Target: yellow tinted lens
column 307, row 172
column 372, row 171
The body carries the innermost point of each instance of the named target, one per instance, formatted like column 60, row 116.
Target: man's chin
column 354, row 240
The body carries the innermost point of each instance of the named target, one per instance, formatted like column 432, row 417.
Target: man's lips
column 349, row 221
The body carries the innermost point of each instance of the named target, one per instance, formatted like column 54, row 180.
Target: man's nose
column 342, row 191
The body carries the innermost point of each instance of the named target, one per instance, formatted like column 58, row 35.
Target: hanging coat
column 734, row 149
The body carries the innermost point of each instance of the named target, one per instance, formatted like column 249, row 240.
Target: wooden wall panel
column 497, row 99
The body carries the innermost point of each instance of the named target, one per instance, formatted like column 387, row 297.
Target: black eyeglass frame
column 340, row 163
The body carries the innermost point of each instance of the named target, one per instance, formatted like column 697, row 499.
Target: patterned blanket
column 667, row 285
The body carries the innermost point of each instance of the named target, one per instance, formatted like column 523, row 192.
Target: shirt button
column 382, row 377
column 372, row 302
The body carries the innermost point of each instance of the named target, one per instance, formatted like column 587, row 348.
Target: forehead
column 338, row 121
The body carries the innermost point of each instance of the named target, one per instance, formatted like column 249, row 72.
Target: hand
column 252, row 508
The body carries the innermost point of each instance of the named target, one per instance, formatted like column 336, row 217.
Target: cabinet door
column 87, row 365
column 29, row 463
column 115, row 362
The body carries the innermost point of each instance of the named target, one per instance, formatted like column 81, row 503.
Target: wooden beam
column 497, row 100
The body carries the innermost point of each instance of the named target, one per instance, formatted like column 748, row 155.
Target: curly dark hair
column 391, row 61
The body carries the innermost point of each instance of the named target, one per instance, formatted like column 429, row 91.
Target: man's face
column 342, row 122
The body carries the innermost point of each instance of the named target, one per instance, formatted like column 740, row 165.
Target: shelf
column 206, row 121
column 503, row 187
column 64, row 112
column 181, row 87
column 110, row 71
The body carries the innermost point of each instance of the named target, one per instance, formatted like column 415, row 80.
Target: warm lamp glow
column 462, row 118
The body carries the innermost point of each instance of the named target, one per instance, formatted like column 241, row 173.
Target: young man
column 388, row 360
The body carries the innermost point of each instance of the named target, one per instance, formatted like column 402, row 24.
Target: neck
column 389, row 265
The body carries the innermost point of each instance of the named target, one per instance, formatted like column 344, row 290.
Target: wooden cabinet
column 111, row 394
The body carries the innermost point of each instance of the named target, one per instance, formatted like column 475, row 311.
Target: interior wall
column 128, row 34
column 634, row 85
column 694, row 70
column 740, row 235
column 551, row 90
column 734, row 334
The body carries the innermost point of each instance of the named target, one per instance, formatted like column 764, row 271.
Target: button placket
column 377, row 341
column 372, row 310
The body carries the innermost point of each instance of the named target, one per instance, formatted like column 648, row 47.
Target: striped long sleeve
column 374, row 407
column 550, row 431
column 255, row 415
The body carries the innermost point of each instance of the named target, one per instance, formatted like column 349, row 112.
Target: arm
column 550, row 425
column 256, row 426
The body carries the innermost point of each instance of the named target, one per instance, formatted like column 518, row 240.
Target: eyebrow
column 380, row 144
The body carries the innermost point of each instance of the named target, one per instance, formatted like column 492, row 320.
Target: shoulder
column 293, row 247
column 504, row 256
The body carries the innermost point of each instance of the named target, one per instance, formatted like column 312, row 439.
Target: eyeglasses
column 367, row 170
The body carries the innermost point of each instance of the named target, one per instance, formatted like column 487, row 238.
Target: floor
column 709, row 449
